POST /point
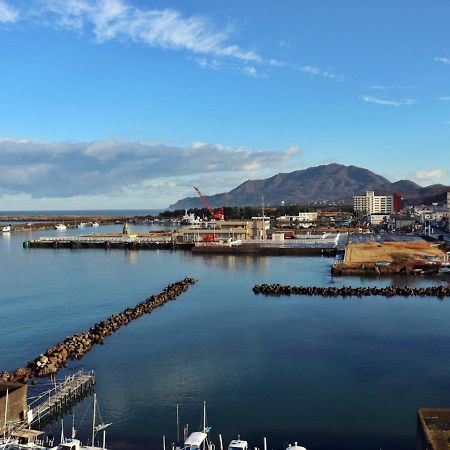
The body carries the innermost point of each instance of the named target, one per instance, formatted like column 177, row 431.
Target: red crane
column 215, row 215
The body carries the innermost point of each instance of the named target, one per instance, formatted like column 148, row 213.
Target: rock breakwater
column 76, row 346
column 277, row 290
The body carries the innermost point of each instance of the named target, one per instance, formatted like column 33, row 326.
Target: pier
column 108, row 242
column 62, row 395
column 312, row 247
column 54, row 401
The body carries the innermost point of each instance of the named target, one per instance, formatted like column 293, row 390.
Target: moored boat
column 6, row 229
column 60, row 227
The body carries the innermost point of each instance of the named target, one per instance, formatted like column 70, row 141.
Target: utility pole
column 263, row 235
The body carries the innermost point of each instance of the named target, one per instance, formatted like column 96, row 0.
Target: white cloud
column 251, row 71
column 7, row 13
column 445, row 98
column 163, row 28
column 433, row 174
column 442, row 60
column 388, row 102
column 312, row 70
column 115, row 169
column 210, row 46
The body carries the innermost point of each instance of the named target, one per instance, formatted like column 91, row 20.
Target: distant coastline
column 85, row 212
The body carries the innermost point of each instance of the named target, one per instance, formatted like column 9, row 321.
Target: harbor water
column 330, row 373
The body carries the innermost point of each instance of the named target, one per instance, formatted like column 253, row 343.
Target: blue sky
column 129, row 103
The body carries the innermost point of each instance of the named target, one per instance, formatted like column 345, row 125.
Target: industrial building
column 304, row 219
column 226, row 229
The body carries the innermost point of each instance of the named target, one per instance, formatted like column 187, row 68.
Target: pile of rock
column 348, row 291
column 74, row 347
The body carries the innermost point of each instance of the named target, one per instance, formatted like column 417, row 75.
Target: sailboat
column 27, row 439
column 75, row 444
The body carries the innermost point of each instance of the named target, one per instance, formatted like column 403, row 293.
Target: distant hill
column 330, row 182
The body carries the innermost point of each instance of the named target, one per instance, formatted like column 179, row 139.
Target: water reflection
column 131, row 256
column 231, row 262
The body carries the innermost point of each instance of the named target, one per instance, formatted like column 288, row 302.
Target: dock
column 107, row 242
column 302, row 246
column 60, row 396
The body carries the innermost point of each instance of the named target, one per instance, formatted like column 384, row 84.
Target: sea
column 327, row 373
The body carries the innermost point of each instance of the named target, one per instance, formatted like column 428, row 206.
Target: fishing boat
column 81, row 225
column 445, row 267
column 6, row 229
column 199, row 440
column 95, row 224
column 60, row 227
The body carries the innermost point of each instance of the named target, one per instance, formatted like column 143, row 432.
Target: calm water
column 329, row 373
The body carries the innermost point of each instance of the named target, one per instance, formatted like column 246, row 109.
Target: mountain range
column 330, row 182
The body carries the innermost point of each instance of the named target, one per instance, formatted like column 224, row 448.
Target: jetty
column 76, row 346
column 278, row 290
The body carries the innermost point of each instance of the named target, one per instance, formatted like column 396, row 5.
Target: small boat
column 95, row 224
column 75, row 444
column 238, row 444
column 81, row 225
column 6, row 229
column 445, row 267
column 27, row 439
column 60, row 227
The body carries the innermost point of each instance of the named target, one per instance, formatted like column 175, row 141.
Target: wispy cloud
column 68, row 169
column 313, row 70
column 442, row 60
column 201, row 39
column 388, row 102
column 445, row 98
column 433, row 174
column 8, row 14
column 163, row 28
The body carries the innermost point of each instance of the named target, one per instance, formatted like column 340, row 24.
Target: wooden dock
column 62, row 395
column 55, row 400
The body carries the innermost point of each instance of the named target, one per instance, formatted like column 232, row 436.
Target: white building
column 373, row 204
column 302, row 219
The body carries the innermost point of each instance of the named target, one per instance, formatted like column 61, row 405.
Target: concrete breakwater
column 277, row 290
column 76, row 346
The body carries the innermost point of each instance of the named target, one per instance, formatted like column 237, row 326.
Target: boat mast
column 6, row 414
column 204, row 424
column 178, row 426
column 93, row 419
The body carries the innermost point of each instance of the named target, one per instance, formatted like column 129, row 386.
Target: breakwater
column 76, row 346
column 278, row 290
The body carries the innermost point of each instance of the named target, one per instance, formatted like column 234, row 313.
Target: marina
column 184, row 345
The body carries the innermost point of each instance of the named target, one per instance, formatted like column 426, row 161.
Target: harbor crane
column 215, row 215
